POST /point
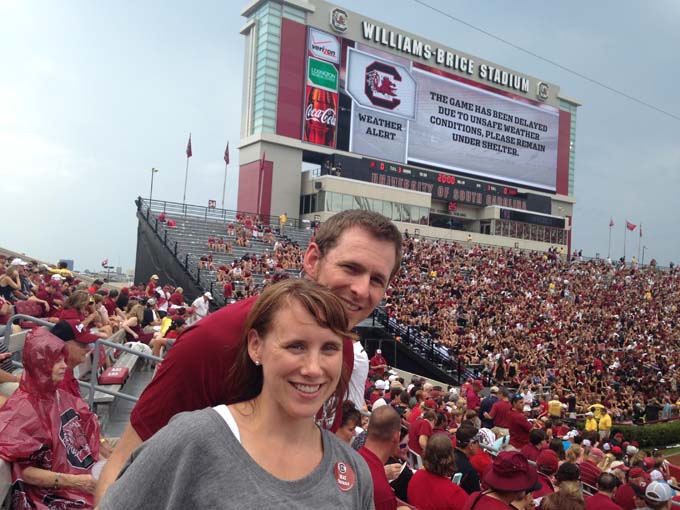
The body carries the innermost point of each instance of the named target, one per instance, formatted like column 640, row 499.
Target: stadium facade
column 341, row 111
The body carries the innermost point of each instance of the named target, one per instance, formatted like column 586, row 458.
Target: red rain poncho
column 48, row 428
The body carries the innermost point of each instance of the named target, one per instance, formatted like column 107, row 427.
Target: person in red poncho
column 50, row 437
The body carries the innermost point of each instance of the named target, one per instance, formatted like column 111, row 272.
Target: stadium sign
column 323, row 74
column 324, row 46
column 414, row 47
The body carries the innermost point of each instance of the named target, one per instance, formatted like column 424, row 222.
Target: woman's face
column 347, row 431
column 59, row 370
column 301, row 362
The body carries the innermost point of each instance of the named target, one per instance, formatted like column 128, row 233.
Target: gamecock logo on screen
column 381, row 86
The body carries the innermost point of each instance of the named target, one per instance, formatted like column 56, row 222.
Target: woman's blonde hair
column 573, row 454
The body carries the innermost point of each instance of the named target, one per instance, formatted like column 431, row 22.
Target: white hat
column 656, row 475
column 571, row 434
column 18, row 262
column 658, row 492
column 380, row 384
column 631, row 450
column 154, row 277
column 208, row 295
column 378, row 351
column 57, row 277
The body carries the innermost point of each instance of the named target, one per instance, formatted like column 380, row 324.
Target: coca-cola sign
column 327, row 116
column 320, row 116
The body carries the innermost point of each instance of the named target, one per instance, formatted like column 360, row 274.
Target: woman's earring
column 257, row 363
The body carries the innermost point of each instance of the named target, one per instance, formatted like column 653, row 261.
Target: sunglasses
column 91, row 303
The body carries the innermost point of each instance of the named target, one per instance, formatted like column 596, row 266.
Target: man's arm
column 128, row 443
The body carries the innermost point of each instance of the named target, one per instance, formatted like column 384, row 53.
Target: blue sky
column 94, row 94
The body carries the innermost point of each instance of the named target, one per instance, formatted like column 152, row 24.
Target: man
column 628, row 494
column 467, row 444
column 658, row 496
column 151, row 286
column 79, row 342
column 382, row 439
column 355, row 254
column 603, row 499
column 420, row 431
column 485, row 407
column 519, row 426
column 511, row 481
column 96, row 285
column 378, row 363
column 590, row 471
column 282, row 223
column 555, row 407
column 499, row 414
column 605, row 425
column 591, row 422
column 202, row 305
column 537, row 442
column 472, row 396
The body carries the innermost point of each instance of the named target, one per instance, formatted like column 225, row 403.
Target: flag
column 226, row 154
column 105, row 262
column 189, row 153
column 630, row 226
column 262, row 162
column 611, row 222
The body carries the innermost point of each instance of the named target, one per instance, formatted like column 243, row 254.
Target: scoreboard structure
column 445, row 143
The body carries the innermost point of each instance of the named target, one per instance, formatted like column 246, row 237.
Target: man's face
column 77, row 353
column 357, row 270
column 518, row 404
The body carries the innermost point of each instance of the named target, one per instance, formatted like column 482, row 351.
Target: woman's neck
column 266, row 421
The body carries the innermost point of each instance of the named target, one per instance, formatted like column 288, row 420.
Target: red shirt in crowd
column 427, row 491
column 589, row 472
column 519, row 429
column 499, row 414
column 477, row 501
column 176, row 299
column 383, row 495
column 601, row 501
column 530, row 452
column 418, row 428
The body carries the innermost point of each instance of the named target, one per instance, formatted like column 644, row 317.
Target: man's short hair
column 374, row 223
column 607, row 482
column 383, row 423
column 536, row 436
column 465, row 434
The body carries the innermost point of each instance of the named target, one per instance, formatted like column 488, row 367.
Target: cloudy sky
column 93, row 94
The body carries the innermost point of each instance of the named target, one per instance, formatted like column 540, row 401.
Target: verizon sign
column 324, row 46
column 380, row 85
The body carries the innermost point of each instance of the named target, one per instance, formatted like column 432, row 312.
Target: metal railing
column 92, row 385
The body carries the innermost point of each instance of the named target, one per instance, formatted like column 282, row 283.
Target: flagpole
column 625, row 231
column 186, row 177
column 609, row 252
column 224, row 187
column 639, row 236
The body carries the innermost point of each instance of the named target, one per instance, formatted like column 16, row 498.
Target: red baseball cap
column 71, row 329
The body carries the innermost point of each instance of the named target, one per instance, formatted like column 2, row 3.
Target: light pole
column 153, row 171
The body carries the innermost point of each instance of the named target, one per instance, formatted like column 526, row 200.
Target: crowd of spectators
column 554, row 466
column 592, row 331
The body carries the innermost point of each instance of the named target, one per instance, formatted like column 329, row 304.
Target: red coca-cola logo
column 325, row 116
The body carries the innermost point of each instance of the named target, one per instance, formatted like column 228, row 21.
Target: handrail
column 95, row 364
column 92, row 385
column 20, row 316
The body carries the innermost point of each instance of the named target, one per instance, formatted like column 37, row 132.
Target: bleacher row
column 188, row 240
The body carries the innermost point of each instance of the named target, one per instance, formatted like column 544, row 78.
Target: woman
column 267, row 450
column 351, row 419
column 431, row 488
column 50, row 437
